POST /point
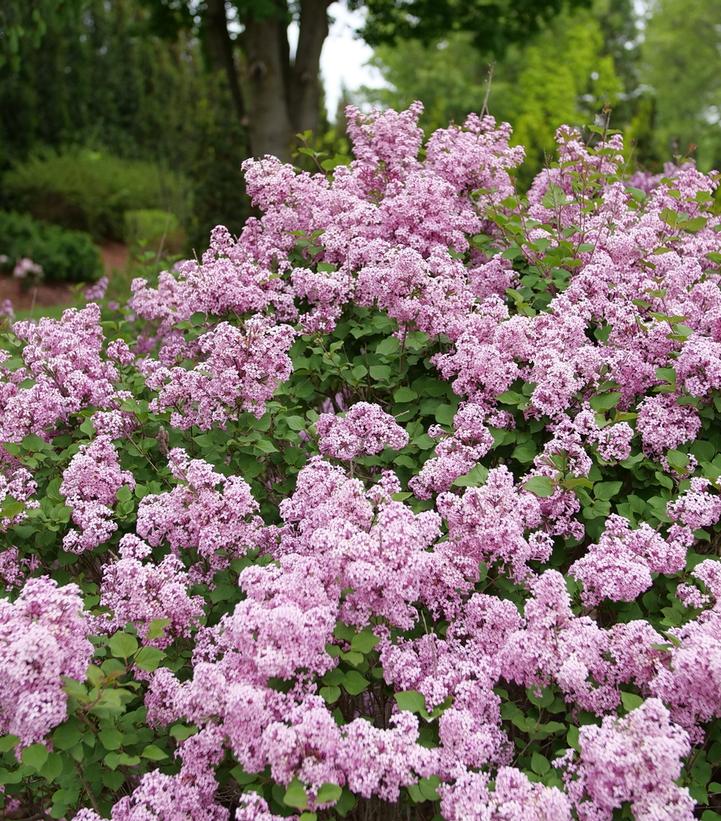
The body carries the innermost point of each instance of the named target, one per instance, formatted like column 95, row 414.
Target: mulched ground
column 114, row 255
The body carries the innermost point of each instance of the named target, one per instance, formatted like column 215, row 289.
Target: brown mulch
column 25, row 299
column 115, row 256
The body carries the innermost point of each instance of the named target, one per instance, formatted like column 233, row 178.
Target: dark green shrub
column 91, row 190
column 64, row 255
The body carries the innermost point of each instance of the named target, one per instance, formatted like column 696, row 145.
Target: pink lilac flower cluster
column 90, row 485
column 64, row 365
column 16, row 484
column 7, row 311
column 690, row 684
column 364, row 429
column 42, row 639
column 212, row 514
column 514, row 798
column 634, row 760
column 588, row 663
column 190, row 794
column 456, row 454
column 142, row 593
column 97, row 290
column 26, row 268
column 619, row 567
column 238, row 370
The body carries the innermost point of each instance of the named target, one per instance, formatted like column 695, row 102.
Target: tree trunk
column 305, row 87
column 269, row 123
column 220, row 52
column 277, row 98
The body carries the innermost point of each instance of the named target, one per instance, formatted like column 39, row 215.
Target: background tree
column 681, row 62
column 277, row 93
column 101, row 76
column 565, row 73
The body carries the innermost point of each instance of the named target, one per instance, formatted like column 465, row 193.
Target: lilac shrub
column 404, row 503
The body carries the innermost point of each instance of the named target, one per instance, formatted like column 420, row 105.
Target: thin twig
column 489, row 83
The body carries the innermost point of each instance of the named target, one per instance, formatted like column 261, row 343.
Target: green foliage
column 564, row 74
column 153, row 229
column 92, row 190
column 65, row 256
column 104, row 79
column 490, row 22
column 681, row 62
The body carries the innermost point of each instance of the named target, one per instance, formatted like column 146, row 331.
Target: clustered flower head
column 90, row 486
column 637, row 760
column 363, row 429
column 143, row 593
column 212, row 514
column 63, row 372
column 238, row 370
column 43, row 637
column 464, row 589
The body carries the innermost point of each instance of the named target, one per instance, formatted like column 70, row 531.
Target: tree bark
column 269, row 124
column 220, row 52
column 277, row 97
column 305, row 87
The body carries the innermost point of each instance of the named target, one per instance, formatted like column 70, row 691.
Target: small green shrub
column 64, row 255
column 154, row 230
column 91, row 190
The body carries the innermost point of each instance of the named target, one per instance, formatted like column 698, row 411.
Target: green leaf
column 606, row 490
column 182, row 731
column 67, row 735
column 475, row 477
column 380, row 372
column 295, row 795
column 445, row 413
column 149, row 658
column 330, row 694
column 605, row 401
column 354, row 683
column 540, row 764
column 411, row 700
column 352, row 657
column 123, row 645
column 153, row 753
column 295, row 422
column 242, row 777
column 511, row 398
column 631, row 701
column 329, row 793
column 388, row 347
column 124, row 494
column 545, row 699
column 156, row 628
column 524, row 452
column 364, row 641
column 540, row 486
column 8, row 742
column 111, row 738
column 52, row 767
column 666, row 375
column 404, row 395
column 429, row 787
column 35, row 756
column 677, row 460
column 265, row 446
